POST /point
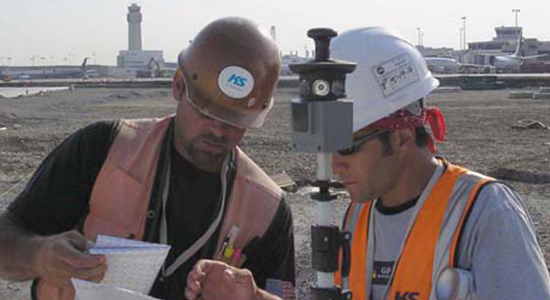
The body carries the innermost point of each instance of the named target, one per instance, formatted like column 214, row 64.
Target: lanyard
column 189, row 252
column 371, row 238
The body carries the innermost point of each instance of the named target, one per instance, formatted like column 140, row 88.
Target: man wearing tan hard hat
column 180, row 180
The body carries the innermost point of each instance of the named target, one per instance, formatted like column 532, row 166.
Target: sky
column 65, row 31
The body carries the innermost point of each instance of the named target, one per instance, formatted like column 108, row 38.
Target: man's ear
column 178, row 86
column 405, row 138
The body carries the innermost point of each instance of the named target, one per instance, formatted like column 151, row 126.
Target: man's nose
column 219, row 128
column 339, row 163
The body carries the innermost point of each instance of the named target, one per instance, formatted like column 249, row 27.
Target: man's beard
column 208, row 161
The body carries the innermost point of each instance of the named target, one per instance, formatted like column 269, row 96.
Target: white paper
column 86, row 290
column 131, row 265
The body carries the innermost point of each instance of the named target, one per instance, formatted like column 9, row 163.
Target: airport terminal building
column 504, row 43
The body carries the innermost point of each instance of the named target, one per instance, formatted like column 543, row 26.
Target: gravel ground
column 480, row 137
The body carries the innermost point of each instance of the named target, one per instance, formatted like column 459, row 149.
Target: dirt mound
column 530, row 124
column 125, row 95
column 520, row 176
column 7, row 118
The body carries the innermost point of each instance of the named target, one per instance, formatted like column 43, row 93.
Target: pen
column 229, row 251
column 236, row 259
column 226, row 251
column 224, row 245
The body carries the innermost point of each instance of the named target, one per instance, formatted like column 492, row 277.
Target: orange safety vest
column 121, row 194
column 431, row 244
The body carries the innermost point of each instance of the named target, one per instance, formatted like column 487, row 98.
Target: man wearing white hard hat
column 422, row 227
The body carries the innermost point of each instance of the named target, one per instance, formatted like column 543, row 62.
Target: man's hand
column 62, row 256
column 210, row 280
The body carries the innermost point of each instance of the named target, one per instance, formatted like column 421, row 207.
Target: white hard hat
column 391, row 73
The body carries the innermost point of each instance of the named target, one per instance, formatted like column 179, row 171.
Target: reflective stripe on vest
column 431, row 244
column 121, row 194
column 357, row 277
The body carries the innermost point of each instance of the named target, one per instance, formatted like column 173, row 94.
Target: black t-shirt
column 56, row 200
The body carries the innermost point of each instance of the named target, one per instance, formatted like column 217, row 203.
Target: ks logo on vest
column 407, row 296
column 237, row 80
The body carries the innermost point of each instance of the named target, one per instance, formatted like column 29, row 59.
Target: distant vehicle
column 154, row 69
column 442, row 65
column 514, row 61
column 158, row 70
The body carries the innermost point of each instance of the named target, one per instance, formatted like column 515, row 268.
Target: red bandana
column 405, row 119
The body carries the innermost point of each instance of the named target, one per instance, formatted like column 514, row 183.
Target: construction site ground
column 484, row 133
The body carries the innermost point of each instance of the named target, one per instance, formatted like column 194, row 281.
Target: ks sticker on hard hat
column 395, row 74
column 235, row 82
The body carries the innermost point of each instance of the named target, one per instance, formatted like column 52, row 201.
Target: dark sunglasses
column 357, row 143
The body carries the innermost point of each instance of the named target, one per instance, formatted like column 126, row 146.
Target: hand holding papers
column 131, row 265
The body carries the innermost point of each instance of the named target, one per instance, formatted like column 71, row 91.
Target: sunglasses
column 357, row 143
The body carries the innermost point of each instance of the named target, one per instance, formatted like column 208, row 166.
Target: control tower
column 134, row 27
column 135, row 61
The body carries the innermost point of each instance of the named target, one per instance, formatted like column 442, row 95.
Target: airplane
column 52, row 72
column 444, row 65
column 513, row 61
column 60, row 73
column 82, row 72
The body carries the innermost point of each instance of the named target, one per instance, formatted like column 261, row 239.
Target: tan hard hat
column 230, row 70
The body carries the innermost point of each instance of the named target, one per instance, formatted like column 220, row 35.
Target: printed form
column 132, row 267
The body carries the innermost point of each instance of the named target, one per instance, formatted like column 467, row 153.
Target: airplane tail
column 83, row 66
column 518, row 45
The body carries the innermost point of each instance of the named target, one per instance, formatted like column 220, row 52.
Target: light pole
column 419, row 38
column 516, row 12
column 461, row 39
column 464, row 32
